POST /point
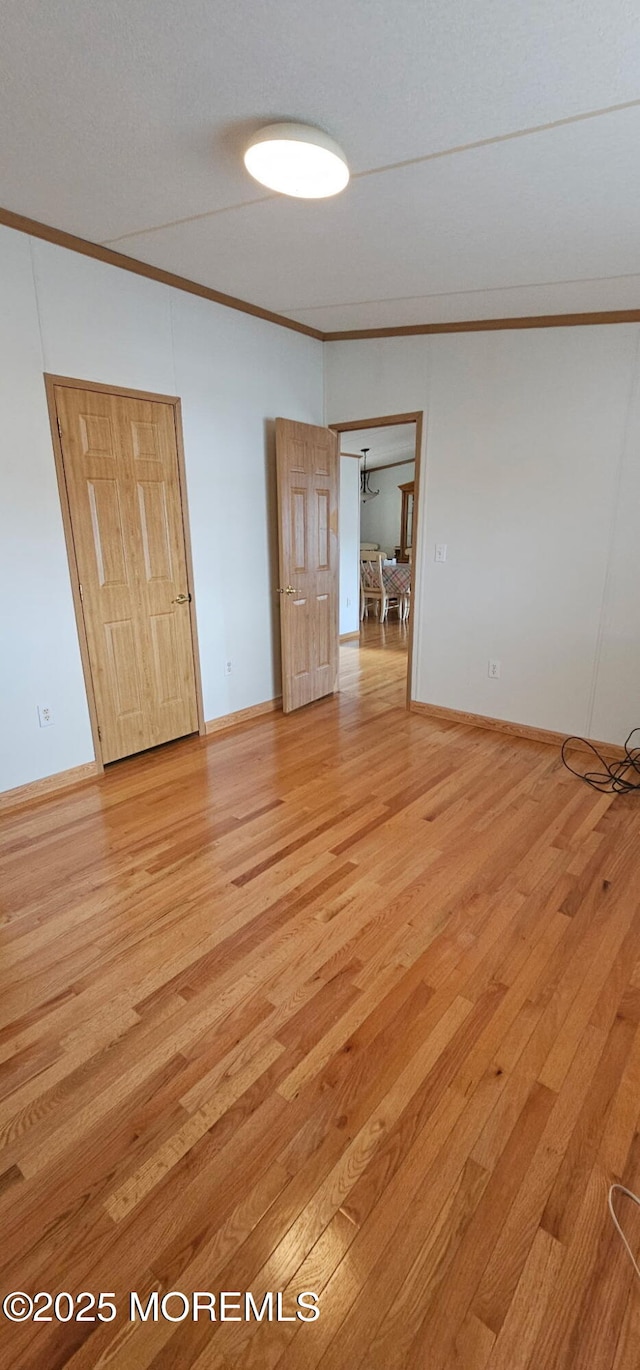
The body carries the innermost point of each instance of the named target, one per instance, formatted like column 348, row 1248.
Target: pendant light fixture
column 297, row 159
column 365, row 476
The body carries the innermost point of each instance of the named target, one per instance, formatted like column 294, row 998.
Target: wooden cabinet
column 406, row 520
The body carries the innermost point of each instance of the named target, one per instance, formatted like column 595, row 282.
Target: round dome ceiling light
column 297, row 159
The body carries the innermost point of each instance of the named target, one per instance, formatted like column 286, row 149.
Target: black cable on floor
column 616, row 777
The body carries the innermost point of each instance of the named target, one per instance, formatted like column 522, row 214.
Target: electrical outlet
column 441, row 551
column 227, row 668
column 494, row 670
column 45, row 715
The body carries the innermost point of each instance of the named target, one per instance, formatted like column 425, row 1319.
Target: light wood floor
column 345, row 1002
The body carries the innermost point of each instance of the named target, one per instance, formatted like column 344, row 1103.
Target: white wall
column 532, row 478
column 349, row 545
column 380, row 518
column 73, row 316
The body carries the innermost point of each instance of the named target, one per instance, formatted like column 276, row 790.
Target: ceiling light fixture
column 365, row 476
column 296, row 159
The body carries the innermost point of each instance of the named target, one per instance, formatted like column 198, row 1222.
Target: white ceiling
column 390, row 443
column 124, row 121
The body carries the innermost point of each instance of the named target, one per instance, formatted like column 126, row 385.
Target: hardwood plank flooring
column 348, row 1002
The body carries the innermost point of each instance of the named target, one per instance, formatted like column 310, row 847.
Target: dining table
column 396, row 577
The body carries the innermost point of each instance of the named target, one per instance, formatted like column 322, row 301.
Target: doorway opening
column 379, row 493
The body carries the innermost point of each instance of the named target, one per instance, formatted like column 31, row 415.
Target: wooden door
column 121, row 472
column 308, row 491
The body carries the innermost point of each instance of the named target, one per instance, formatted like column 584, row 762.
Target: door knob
column 288, row 590
column 181, row 599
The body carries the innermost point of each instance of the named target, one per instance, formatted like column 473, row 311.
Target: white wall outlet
column 494, row 670
column 441, row 551
column 45, row 715
column 227, row 668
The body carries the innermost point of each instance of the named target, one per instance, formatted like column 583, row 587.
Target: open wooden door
column 308, row 491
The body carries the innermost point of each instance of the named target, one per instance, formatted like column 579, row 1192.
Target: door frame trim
column 50, row 382
column 386, row 421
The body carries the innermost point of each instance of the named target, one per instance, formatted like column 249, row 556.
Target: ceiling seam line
column 473, row 290
column 453, row 151
column 190, row 219
column 500, row 138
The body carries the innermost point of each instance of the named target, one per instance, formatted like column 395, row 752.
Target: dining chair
column 405, row 599
column 372, row 586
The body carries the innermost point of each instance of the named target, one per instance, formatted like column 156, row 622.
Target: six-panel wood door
column 308, row 492
column 121, row 473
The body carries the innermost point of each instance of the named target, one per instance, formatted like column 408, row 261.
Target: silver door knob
column 181, row 599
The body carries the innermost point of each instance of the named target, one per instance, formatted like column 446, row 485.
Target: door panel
column 323, row 520
column 165, row 656
column 122, row 656
column 106, row 526
column 298, row 630
column 121, row 472
column 307, row 466
column 325, row 626
column 154, row 527
column 298, row 529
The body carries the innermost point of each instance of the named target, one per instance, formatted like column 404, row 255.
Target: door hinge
column 59, row 427
column 99, row 733
column 81, row 594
